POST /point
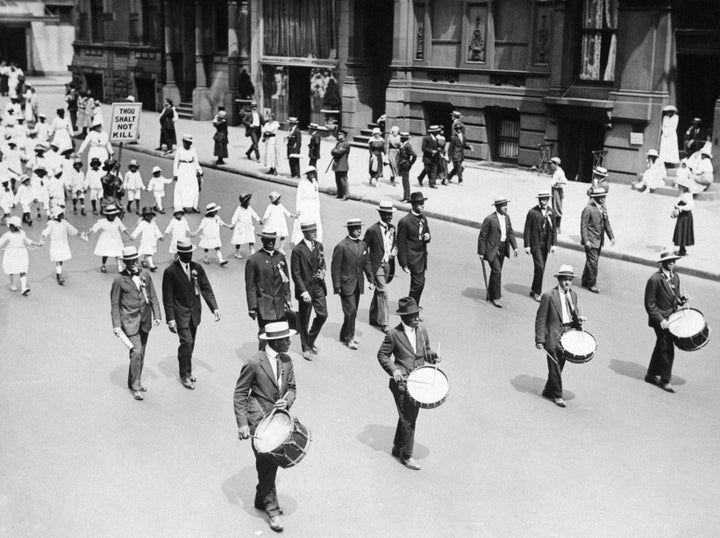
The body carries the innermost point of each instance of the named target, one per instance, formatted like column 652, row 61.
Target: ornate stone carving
column 476, row 48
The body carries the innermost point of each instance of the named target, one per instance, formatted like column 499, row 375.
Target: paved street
column 80, row 457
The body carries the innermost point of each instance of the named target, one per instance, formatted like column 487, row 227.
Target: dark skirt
column 168, row 137
column 221, row 150
column 684, row 235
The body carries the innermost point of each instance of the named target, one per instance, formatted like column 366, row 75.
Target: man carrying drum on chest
column 408, row 342
column 557, row 313
column 266, row 382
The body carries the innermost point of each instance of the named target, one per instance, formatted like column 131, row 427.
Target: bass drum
column 282, row 437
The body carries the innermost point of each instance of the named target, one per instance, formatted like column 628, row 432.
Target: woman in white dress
column 149, row 233
column 209, row 231
column 15, row 259
column 271, row 156
column 186, row 170
column 60, row 131
column 58, row 230
column 110, row 241
column 242, row 225
column 307, row 204
column 98, row 143
column 669, row 153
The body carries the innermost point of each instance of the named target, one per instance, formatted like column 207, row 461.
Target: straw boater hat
column 310, row 170
column 565, row 271
column 417, row 198
column 111, row 209
column 156, row 168
column 598, row 192
column 77, row 160
column 670, row 108
column 130, row 253
column 313, row 126
column 353, row 223
column 187, row 137
column 212, row 207
column 555, row 160
column 652, row 153
column 434, row 129
column 274, row 195
column 267, row 235
column 543, row 194
column 501, row 201
column 386, row 206
column 222, row 113
column 600, row 171
column 184, row 247
column 406, row 306
column 696, row 120
column 455, row 114
column 667, row 255
column 277, row 330
column 308, row 226
column 292, row 119
column 404, row 134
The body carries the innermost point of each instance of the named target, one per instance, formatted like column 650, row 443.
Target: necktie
column 568, row 301
column 187, row 270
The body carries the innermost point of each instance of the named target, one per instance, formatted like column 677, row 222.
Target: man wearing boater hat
column 294, row 145
column 540, row 237
column 496, row 241
column 134, row 310
column 184, row 281
column 267, row 284
column 662, row 298
column 307, row 265
column 349, row 262
column 594, row 224
column 405, row 348
column 413, row 235
column 430, row 149
column 380, row 240
column 266, row 382
column 557, row 313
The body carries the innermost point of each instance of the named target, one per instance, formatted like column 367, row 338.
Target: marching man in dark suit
column 557, row 313
column 253, row 122
column 430, row 156
column 294, row 146
column 458, row 145
column 340, row 154
column 266, row 382
column 184, row 281
column 406, row 159
column 413, row 235
column 349, row 262
column 540, row 237
column 314, row 145
column 594, row 224
column 662, row 298
column 267, row 285
column 495, row 243
column 307, row 264
column 134, row 310
column 380, row 241
column 406, row 347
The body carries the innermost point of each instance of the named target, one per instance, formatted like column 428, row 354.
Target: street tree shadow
column 518, row 289
column 380, row 438
column 240, row 490
column 534, row 386
column 636, row 371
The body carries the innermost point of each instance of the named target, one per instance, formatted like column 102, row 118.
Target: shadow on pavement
column 637, row 371
column 332, row 330
column 119, row 375
column 477, row 294
column 518, row 289
column 247, row 350
column 169, row 366
column 380, row 438
column 534, row 386
column 240, row 490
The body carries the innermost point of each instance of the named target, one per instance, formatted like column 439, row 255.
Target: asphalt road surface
column 80, row 457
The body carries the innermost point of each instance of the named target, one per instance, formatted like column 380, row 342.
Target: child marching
column 109, row 243
column 134, row 186
column 78, row 186
column 274, row 219
column 93, row 178
column 209, row 231
column 7, row 200
column 156, row 185
column 178, row 228
column 58, row 229
column 23, row 198
column 149, row 234
column 15, row 259
column 242, row 225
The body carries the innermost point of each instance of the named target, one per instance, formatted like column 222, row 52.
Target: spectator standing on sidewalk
column 186, row 170
column 340, row 154
column 430, row 156
column 669, row 154
column 684, row 234
column 90, row 105
column 314, row 145
column 271, row 154
column 557, row 186
column 168, row 117
column 294, row 146
column 392, row 150
column 253, row 122
column 307, row 205
column 72, row 106
column 376, row 147
column 594, row 225
column 221, row 137
column 406, row 159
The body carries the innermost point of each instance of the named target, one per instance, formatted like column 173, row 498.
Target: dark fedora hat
column 407, row 306
column 417, row 198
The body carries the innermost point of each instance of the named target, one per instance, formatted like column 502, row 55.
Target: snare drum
column 428, row 386
column 689, row 329
column 577, row 346
column 282, row 437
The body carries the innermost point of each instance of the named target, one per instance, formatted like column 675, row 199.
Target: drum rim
column 432, row 405
column 270, row 416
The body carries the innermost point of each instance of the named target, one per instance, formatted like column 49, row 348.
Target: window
column 599, row 40
column 221, row 25
column 150, row 24
column 299, row 28
column 96, row 21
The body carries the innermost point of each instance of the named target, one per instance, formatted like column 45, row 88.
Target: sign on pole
column 124, row 122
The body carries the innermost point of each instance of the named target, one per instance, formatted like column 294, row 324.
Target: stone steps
column 185, row 110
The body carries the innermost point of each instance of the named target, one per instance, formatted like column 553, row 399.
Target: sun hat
column 130, row 253
column 386, row 206
column 652, row 153
column 310, row 169
column 555, row 160
column 212, row 207
column 668, row 254
column 133, row 162
column 274, row 195
column 187, row 137
column 14, row 221
column 156, row 168
column 565, row 271
column 277, row 330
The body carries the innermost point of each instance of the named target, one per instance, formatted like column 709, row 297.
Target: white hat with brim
column 565, row 271
column 56, row 211
column 111, row 210
column 184, row 247
column 187, row 137
column 133, row 162
column 310, row 170
column 670, row 108
column 14, row 221
column 156, row 168
column 277, row 330
column 597, row 192
column 130, row 253
column 501, row 201
column 274, row 195
column 386, row 206
column 668, row 254
column 212, row 207
column 308, row 226
column 543, row 194
column 555, row 160
column 600, row 171
column 653, row 153
column 353, row 223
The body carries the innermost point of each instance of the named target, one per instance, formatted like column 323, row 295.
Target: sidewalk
column 641, row 222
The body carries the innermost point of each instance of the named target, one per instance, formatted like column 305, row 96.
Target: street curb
column 563, row 243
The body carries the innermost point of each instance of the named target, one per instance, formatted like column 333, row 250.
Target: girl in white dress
column 134, row 186
column 307, row 204
column 15, row 259
column 110, row 241
column 274, row 219
column 149, row 234
column 156, row 185
column 60, row 130
column 39, row 190
column 7, row 200
column 58, row 230
column 93, row 179
column 178, row 228
column 23, row 198
column 669, row 153
column 209, row 231
column 242, row 225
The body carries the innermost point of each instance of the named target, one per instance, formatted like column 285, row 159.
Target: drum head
column 580, row 343
column 272, row 431
column 686, row 322
column 428, row 385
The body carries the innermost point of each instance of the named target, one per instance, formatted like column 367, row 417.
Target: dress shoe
column 306, row 355
column 142, row 389
column 223, row 263
column 188, row 384
column 314, row 349
column 497, row 303
column 653, row 379
column 26, row 292
column 136, row 394
column 667, row 387
column 351, row 345
column 276, row 524
column 192, row 378
column 559, row 402
column 594, row 289
column 410, row 463
column 535, row 296
column 259, row 507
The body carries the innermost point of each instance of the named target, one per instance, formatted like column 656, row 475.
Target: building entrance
column 581, row 144
column 13, row 46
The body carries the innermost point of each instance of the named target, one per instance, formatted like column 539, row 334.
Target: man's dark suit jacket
column 294, row 141
column 429, row 148
column 266, row 290
column 406, row 157
column 180, row 294
column 548, row 320
column 129, row 310
column 376, row 246
column 314, row 147
column 661, row 299
column 256, row 390
column 594, row 224
column 304, row 265
column 533, row 225
column 456, row 152
column 340, row 156
column 412, row 248
column 396, row 353
column 247, row 120
column 489, row 238
column 349, row 261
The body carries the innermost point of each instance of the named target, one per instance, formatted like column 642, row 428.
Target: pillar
column 170, row 89
column 202, row 106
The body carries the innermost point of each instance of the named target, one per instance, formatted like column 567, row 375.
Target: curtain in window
column 300, row 28
column 611, row 17
column 599, row 41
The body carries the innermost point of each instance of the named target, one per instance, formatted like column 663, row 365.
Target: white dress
column 668, row 139
column 149, row 234
column 209, row 232
column 58, row 232
column 271, row 154
column 15, row 259
column 186, row 168
column 134, row 185
column 274, row 219
column 61, row 129
column 242, row 223
column 179, row 230
column 307, row 208
column 99, row 145
column 110, row 242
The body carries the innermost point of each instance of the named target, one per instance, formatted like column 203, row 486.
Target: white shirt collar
column 310, row 244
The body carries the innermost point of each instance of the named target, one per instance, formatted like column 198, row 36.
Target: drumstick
column 551, row 358
column 438, row 354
